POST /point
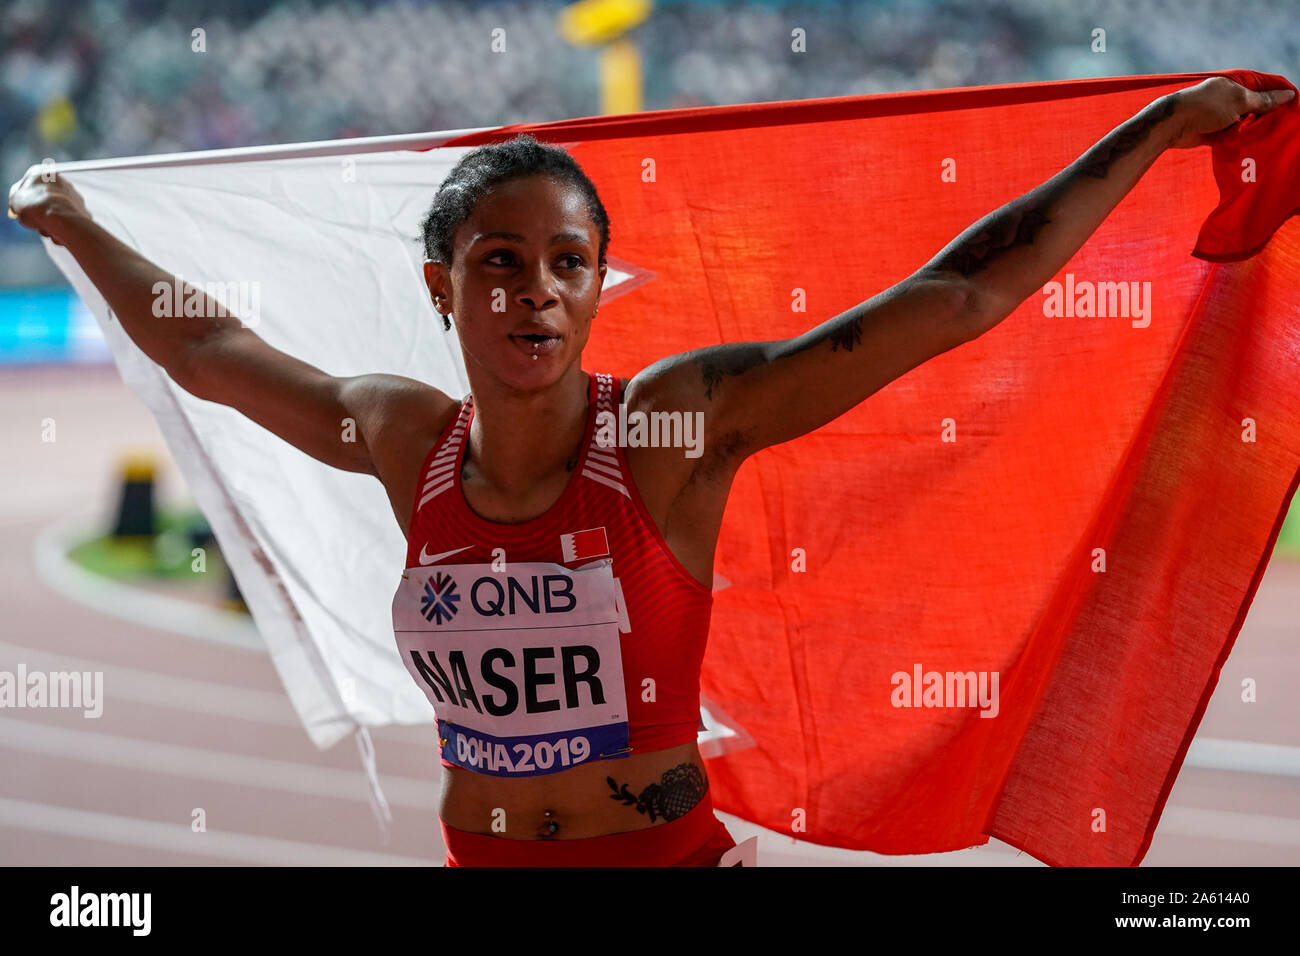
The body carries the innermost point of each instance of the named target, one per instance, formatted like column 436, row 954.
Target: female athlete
column 565, row 741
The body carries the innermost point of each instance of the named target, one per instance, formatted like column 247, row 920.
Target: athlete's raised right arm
column 216, row 358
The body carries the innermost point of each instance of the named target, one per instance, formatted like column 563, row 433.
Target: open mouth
column 536, row 343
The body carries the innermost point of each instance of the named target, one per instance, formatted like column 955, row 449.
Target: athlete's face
column 523, row 264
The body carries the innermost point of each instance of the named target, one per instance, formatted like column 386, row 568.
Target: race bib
column 523, row 667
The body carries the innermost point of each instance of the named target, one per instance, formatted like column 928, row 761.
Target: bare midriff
column 573, row 804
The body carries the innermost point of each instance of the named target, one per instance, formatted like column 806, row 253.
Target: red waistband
column 666, row 844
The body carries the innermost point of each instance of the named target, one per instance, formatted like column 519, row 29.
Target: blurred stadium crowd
column 83, row 79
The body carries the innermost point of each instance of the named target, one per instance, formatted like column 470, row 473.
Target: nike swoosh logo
column 426, row 558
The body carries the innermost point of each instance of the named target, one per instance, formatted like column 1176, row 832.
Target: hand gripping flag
column 991, row 600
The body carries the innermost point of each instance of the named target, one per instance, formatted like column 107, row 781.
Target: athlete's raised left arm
column 756, row 394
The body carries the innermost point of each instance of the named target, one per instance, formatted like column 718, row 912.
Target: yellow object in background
column 592, row 22
column 138, row 466
column 136, row 511
column 57, row 120
column 602, row 22
column 620, row 78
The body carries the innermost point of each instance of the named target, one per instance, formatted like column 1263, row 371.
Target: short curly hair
column 485, row 167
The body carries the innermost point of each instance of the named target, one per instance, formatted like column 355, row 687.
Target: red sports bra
column 575, row 636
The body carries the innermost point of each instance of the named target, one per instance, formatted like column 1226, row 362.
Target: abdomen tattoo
column 678, row 792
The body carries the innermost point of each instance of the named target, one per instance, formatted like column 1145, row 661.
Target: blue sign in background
column 48, row 325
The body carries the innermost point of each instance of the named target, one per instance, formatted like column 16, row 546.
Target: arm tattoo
column 739, row 357
column 1015, row 224
column 733, row 359
column 1019, row 221
column 846, row 334
column 678, row 791
column 1096, row 162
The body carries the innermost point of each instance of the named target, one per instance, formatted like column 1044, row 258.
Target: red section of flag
column 1078, row 440
column 582, row 545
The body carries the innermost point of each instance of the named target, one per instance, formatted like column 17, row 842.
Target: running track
column 192, row 723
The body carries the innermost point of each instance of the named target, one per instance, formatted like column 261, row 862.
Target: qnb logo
column 440, row 599
column 544, row 594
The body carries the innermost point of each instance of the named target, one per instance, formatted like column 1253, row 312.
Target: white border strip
column 245, row 154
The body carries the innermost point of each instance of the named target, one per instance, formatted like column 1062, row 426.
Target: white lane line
column 178, row 838
column 152, row 757
column 1243, row 756
column 155, row 611
column 1229, row 825
column 153, row 687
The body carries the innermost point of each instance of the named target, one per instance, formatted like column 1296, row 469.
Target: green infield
column 182, row 549
column 1288, row 539
column 181, row 559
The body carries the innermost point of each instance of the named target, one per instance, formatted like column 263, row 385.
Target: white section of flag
column 333, row 241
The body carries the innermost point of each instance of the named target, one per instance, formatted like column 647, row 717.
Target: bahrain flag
column 991, row 600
